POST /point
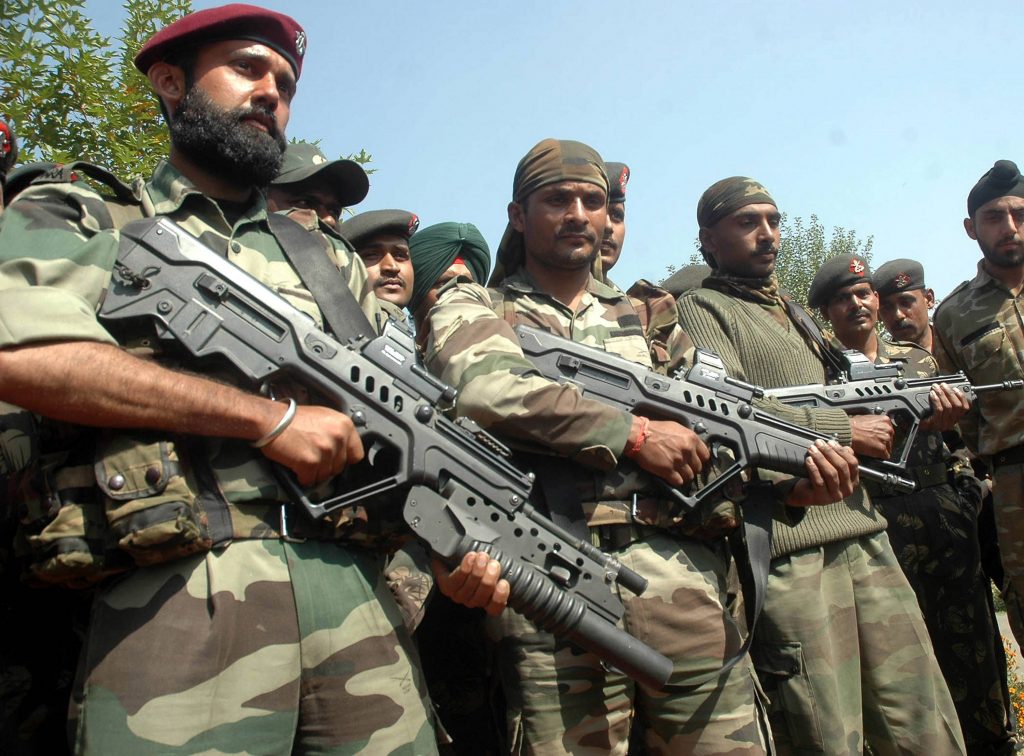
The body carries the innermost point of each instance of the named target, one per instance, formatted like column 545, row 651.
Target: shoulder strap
column 124, row 206
column 342, row 313
column 810, row 330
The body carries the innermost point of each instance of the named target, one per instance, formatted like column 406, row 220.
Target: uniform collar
column 169, row 189
column 521, row 281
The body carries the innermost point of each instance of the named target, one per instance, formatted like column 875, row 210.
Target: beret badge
column 857, row 266
column 300, row 42
column 901, row 281
column 414, row 223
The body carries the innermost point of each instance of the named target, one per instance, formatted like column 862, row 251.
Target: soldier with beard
column 218, row 638
column 978, row 330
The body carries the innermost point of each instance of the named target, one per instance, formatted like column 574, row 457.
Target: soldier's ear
column 168, row 81
column 969, row 228
column 516, row 216
column 707, row 242
column 929, row 298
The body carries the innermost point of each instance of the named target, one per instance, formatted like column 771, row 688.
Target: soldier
column 978, row 331
column 934, row 530
column 840, row 648
column 615, row 230
column 904, row 301
column 686, row 278
column 310, row 181
column 8, row 156
column 589, row 459
column 219, row 639
column 440, row 253
column 381, row 239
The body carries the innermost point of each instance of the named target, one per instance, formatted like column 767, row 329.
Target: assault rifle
column 705, row 399
column 462, row 493
column 867, row 388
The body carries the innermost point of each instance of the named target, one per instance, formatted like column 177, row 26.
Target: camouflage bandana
column 727, row 196
column 550, row 161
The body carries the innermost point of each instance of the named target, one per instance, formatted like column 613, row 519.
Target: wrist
column 636, row 441
column 279, row 428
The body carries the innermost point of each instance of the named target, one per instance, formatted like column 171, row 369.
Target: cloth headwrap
column 1002, row 180
column 725, row 197
column 550, row 161
column 435, row 248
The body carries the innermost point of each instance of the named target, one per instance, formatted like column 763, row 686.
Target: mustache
column 859, row 313
column 389, row 280
column 264, row 114
column 578, row 231
column 768, row 248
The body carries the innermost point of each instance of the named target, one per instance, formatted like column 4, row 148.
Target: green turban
column 550, row 161
column 435, row 248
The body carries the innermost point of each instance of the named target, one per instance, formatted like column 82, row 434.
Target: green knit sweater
column 761, row 345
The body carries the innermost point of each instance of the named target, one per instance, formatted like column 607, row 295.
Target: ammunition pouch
column 132, row 502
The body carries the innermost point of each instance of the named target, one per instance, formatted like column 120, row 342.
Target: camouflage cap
column 836, row 273
column 686, row 278
column 618, row 177
column 234, row 21
column 727, row 196
column 548, row 162
column 361, row 228
column 1002, row 180
column 899, row 275
column 345, row 178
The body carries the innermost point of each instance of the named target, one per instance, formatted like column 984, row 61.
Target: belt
column 1012, row 456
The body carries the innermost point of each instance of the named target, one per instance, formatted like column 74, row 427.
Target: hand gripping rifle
column 867, row 388
column 705, row 399
column 463, row 494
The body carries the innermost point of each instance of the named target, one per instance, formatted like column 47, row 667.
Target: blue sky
column 876, row 116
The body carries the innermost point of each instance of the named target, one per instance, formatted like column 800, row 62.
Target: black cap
column 360, row 228
column 899, row 275
column 686, row 278
column 836, row 273
column 1002, row 180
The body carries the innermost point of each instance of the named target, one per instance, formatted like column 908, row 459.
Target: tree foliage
column 73, row 93
column 804, row 247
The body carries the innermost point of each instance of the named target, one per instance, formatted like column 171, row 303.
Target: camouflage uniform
column 934, row 534
column 840, row 647
column 978, row 330
column 561, row 699
column 193, row 652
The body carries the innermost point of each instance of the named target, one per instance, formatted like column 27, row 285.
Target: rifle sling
column 812, row 333
column 561, row 498
column 342, row 314
column 752, row 549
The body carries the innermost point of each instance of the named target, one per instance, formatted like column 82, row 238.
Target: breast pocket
column 983, row 345
column 632, row 348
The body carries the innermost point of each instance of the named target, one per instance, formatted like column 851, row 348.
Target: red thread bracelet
column 641, row 438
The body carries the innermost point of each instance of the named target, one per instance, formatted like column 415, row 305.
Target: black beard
column 219, row 142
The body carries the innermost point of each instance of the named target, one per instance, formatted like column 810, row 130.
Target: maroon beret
column 235, row 21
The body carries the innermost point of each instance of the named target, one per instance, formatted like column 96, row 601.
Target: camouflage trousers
column 261, row 647
column 1008, row 500
column 934, row 534
column 844, row 656
column 562, row 700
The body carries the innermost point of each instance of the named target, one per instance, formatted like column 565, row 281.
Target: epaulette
column 124, row 206
column 956, row 290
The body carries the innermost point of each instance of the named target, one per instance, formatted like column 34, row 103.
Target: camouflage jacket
column 58, row 244
column 471, row 346
column 978, row 329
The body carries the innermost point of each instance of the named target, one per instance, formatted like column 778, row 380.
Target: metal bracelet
column 277, row 430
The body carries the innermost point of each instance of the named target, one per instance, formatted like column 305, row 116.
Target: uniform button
column 152, row 476
column 116, row 482
column 236, row 247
